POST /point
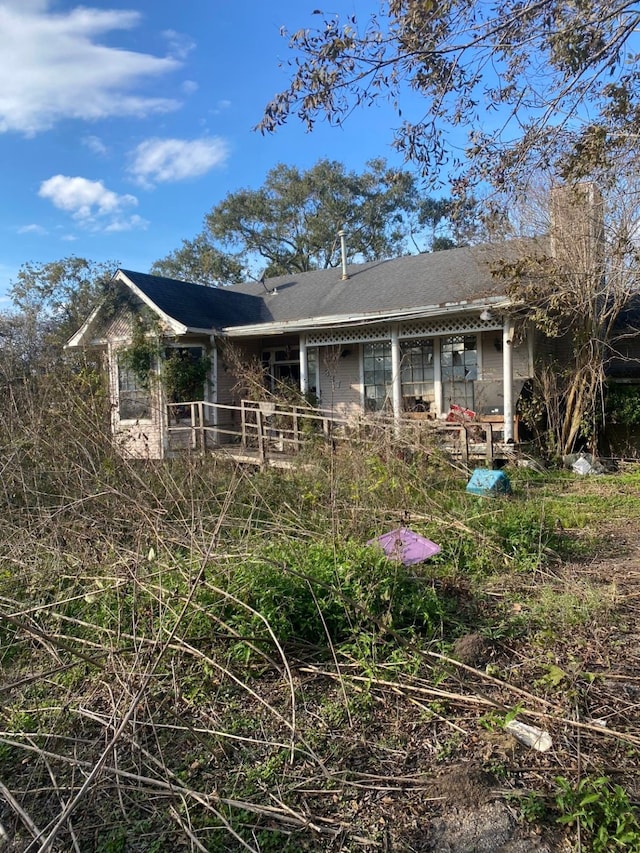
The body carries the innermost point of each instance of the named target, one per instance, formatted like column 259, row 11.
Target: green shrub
column 313, row 593
column 623, row 404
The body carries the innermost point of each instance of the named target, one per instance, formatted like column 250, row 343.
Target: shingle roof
column 414, row 283
column 195, row 306
column 410, row 282
column 428, row 280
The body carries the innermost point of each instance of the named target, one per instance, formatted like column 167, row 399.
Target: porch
column 270, row 433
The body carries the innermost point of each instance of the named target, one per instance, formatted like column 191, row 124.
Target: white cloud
column 91, row 204
column 133, row 223
column 180, row 45
column 54, row 67
column 220, row 107
column 189, row 87
column 158, row 161
column 32, row 229
column 95, row 144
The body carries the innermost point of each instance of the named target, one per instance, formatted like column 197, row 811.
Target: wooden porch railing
column 263, row 431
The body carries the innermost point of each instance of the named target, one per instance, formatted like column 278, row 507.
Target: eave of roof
column 178, row 305
column 125, row 276
column 78, row 339
column 369, row 318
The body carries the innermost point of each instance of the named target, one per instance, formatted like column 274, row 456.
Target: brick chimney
column 577, row 225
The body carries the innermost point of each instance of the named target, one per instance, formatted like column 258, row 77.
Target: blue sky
column 123, row 123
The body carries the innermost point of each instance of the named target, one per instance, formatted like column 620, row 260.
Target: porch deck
column 271, row 434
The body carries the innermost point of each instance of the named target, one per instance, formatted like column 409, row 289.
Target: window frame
column 459, row 389
column 132, row 393
column 376, row 362
column 418, row 373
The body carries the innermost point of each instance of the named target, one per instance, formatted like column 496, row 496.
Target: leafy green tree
column 293, row 220
column 59, row 295
column 450, row 222
column 200, row 261
column 534, row 82
column 291, row 223
column 21, row 346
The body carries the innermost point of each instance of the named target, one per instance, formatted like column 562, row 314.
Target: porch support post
column 396, row 378
column 437, row 377
column 213, row 375
column 304, row 365
column 507, row 377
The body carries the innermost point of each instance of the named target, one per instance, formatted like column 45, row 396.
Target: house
column 420, row 333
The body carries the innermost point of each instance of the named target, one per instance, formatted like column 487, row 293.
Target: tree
column 291, row 223
column 293, row 220
column 450, row 222
column 578, row 292
column 21, row 347
column 557, row 83
column 199, row 261
column 59, row 295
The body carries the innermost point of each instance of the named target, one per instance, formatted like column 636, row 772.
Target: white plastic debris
column 582, row 466
column 583, row 463
column 530, row 735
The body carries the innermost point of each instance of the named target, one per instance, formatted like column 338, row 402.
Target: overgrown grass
column 198, row 654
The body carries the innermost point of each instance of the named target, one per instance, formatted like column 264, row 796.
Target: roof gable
column 194, row 306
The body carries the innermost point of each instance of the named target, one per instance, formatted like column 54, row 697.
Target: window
column 377, row 375
column 134, row 399
column 417, row 374
column 459, row 364
column 282, row 368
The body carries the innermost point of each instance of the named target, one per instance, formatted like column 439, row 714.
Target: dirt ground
column 593, row 680
column 452, row 779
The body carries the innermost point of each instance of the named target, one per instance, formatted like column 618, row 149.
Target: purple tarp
column 405, row 545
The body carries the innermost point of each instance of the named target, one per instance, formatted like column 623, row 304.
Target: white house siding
column 489, row 389
column 340, row 384
column 118, row 327
column 492, row 358
column 553, row 350
column 228, row 386
column 229, row 382
column 226, row 382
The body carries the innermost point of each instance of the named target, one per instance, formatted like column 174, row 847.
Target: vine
column 184, row 374
column 141, row 355
column 183, row 369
